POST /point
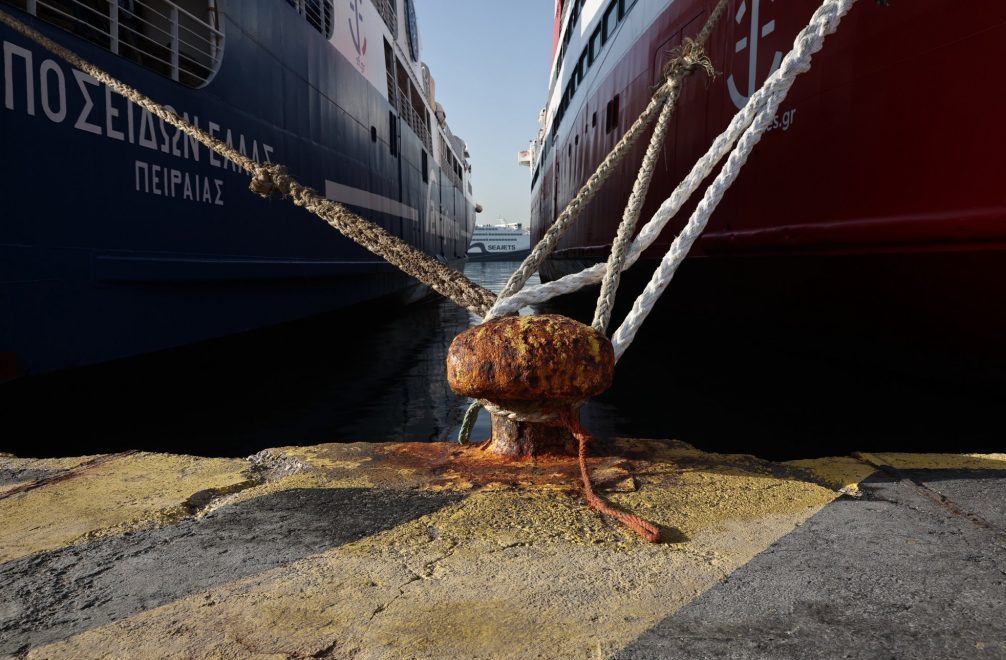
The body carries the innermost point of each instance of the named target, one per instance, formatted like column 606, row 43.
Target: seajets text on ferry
column 78, row 97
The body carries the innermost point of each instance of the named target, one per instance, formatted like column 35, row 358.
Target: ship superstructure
column 121, row 236
column 502, row 241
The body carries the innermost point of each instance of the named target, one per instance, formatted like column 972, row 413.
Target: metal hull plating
column 878, row 188
column 120, row 236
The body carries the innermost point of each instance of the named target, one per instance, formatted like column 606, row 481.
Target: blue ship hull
column 119, row 236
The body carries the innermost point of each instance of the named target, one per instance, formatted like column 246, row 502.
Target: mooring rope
column 689, row 57
column 824, row 22
column 268, row 178
column 739, row 139
column 682, row 63
column 661, row 103
column 744, row 130
column 810, row 40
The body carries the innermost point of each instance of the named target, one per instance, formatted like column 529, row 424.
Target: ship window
column 593, row 120
column 611, row 120
column 373, row 133
column 392, row 133
column 624, row 6
column 180, row 40
column 611, row 18
column 389, row 68
column 595, row 44
column 426, row 167
column 583, row 65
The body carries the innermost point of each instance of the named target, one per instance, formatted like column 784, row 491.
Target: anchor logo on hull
column 359, row 40
column 758, row 31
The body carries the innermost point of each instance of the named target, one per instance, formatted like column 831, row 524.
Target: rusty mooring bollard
column 535, row 368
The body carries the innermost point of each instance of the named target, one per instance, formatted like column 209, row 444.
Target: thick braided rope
column 627, row 227
column 644, row 528
column 269, row 177
column 634, row 207
column 587, row 192
column 824, row 22
column 668, row 209
column 681, row 63
column 666, row 93
column 429, row 271
column 530, row 411
column 535, row 412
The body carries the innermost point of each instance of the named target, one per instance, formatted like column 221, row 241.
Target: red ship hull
column 875, row 205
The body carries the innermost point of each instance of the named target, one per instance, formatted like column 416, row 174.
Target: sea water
column 379, row 375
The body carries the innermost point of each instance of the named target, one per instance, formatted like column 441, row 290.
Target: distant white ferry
column 502, row 241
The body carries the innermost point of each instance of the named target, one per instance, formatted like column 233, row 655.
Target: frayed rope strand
column 644, row 528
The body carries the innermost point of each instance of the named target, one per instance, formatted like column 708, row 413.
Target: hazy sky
column 490, row 61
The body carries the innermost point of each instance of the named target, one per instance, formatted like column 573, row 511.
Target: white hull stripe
column 368, row 200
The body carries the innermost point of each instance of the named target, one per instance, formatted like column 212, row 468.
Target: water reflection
column 700, row 376
column 318, row 381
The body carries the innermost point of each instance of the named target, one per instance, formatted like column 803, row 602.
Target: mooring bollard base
column 522, row 440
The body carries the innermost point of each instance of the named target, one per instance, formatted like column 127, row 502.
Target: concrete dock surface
column 431, row 550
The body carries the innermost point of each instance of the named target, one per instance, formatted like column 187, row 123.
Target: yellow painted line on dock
column 906, row 461
column 127, row 492
column 504, row 572
column 843, row 473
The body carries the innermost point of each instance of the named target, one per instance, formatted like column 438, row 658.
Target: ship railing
column 448, row 163
column 411, row 116
column 392, row 88
column 157, row 34
column 319, row 13
column 401, row 101
column 386, row 8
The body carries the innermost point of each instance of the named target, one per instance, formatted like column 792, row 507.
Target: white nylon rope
column 824, row 22
column 746, row 127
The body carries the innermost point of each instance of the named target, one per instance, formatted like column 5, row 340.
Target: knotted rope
column 744, row 131
column 808, row 42
column 268, row 177
column 661, row 103
column 687, row 58
column 682, row 62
